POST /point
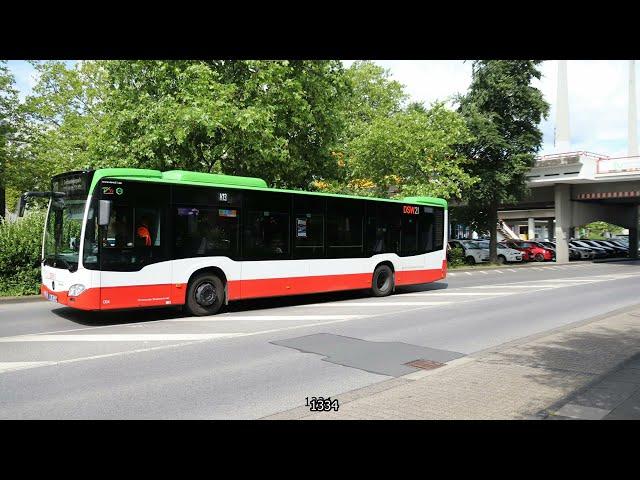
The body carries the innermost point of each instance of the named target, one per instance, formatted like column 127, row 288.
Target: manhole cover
column 424, row 364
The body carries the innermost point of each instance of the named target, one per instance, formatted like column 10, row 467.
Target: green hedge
column 456, row 257
column 20, row 249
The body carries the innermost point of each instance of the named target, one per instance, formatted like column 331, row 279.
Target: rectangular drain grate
column 425, row 364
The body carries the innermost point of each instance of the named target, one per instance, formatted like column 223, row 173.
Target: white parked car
column 473, row 252
column 505, row 254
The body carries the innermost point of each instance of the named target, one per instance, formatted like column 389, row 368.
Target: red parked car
column 531, row 251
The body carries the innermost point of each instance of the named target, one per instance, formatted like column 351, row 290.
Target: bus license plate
column 52, row 298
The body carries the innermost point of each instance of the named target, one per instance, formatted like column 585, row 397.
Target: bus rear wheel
column 205, row 295
column 382, row 283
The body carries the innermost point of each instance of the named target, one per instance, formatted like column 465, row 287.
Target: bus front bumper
column 87, row 300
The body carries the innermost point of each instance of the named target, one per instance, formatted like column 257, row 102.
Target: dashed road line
column 119, row 337
column 373, row 304
column 261, row 318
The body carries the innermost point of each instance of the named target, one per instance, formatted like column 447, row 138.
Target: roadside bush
column 20, row 249
column 456, row 257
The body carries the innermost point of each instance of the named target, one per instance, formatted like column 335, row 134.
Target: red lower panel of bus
column 109, row 298
column 275, row 287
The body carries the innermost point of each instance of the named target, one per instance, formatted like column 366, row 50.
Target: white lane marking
column 483, row 272
column 119, row 337
column 505, row 286
column 9, row 366
column 372, row 304
column 499, row 271
column 512, row 270
column 451, row 274
column 571, row 280
column 218, row 318
column 468, row 273
column 430, row 294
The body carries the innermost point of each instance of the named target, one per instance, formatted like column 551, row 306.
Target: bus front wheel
column 205, row 295
column 382, row 283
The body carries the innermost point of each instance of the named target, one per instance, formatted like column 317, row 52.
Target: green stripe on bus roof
column 156, row 176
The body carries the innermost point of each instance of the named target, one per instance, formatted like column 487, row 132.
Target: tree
column 503, row 112
column 416, row 152
column 8, row 105
column 273, row 119
column 56, row 125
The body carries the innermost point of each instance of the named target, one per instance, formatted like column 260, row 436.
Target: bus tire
column 205, row 295
column 382, row 282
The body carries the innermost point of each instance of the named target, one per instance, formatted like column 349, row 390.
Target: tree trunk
column 3, row 204
column 493, row 232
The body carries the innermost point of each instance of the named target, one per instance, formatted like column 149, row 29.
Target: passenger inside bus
column 143, row 235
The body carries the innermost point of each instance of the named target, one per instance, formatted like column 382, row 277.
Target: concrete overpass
column 575, row 188
column 570, row 189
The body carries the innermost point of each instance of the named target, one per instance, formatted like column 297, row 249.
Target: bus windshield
column 64, row 222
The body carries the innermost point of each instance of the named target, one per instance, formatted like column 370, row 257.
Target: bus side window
column 266, row 226
column 426, row 230
column 206, row 231
column 345, row 225
column 438, row 228
column 308, row 226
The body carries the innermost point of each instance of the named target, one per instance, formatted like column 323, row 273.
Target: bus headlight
column 75, row 290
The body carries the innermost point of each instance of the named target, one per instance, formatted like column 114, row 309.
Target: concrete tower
column 633, row 113
column 562, row 140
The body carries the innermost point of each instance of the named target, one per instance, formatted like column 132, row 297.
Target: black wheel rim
column 383, row 281
column 205, row 294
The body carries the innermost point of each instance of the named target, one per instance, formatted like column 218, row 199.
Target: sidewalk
column 530, row 378
column 614, row 397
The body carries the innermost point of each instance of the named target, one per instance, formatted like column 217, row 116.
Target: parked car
column 531, row 251
column 573, row 253
column 505, row 254
column 619, row 249
column 473, row 252
column 611, row 252
column 597, row 252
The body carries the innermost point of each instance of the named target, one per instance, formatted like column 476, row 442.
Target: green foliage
column 599, row 230
column 8, row 108
column 503, row 112
column 415, row 152
column 20, row 250
column 456, row 257
column 272, row 119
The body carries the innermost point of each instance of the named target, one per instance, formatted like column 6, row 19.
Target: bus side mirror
column 22, row 201
column 104, row 212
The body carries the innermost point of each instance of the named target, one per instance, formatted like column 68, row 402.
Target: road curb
column 22, row 299
column 515, row 265
column 612, row 260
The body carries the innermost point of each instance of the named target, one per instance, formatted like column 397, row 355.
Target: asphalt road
column 265, row 356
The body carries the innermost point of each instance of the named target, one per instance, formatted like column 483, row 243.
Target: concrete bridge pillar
column 562, row 194
column 531, row 230
column 550, row 228
column 633, row 234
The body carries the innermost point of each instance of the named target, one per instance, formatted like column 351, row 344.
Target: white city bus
column 123, row 238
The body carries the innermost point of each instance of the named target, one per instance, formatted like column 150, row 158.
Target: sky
column 598, row 95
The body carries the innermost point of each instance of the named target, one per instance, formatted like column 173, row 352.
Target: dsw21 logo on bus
column 410, row 210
